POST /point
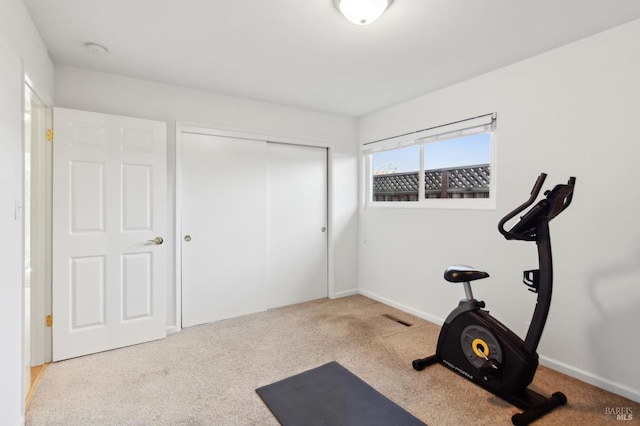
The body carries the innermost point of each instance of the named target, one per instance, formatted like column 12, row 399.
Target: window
column 446, row 166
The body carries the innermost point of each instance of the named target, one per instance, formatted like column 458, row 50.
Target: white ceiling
column 305, row 54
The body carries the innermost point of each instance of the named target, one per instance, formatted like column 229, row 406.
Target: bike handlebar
column 534, row 194
column 554, row 203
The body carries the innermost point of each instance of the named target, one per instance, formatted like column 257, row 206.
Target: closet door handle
column 157, row 240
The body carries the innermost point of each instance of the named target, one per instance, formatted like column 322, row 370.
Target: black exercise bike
column 480, row 348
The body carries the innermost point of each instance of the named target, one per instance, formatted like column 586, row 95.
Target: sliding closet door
column 297, row 223
column 223, row 190
column 253, row 226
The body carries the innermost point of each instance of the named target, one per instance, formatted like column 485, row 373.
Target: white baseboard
column 405, row 308
column 345, row 293
column 569, row 370
column 171, row 329
column 592, row 379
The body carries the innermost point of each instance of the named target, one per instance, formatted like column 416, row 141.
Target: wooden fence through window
column 453, row 182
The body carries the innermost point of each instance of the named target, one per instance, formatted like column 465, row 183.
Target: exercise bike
column 480, row 348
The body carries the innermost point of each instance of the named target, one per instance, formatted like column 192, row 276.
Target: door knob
column 157, row 240
column 323, row 229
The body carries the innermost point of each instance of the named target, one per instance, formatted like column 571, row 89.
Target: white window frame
column 480, row 124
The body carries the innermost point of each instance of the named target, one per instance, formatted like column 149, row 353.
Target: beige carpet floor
column 207, row 375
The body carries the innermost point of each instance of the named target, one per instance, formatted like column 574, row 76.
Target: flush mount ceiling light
column 95, row 48
column 362, row 12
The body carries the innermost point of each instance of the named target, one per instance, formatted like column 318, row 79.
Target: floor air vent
column 399, row 321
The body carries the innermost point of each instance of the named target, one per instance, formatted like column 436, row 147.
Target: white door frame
column 40, row 336
column 215, row 130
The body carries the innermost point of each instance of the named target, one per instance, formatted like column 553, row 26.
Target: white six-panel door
column 109, row 216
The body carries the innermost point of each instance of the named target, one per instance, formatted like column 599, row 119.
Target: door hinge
column 50, row 135
column 49, row 320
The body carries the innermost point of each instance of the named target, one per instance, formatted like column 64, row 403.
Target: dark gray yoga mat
column 330, row 395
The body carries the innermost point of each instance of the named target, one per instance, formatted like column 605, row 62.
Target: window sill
column 436, row 204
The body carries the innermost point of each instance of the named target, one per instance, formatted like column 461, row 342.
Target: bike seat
column 463, row 273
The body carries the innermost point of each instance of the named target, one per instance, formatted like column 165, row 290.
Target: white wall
column 571, row 111
column 567, row 112
column 21, row 49
column 92, row 91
